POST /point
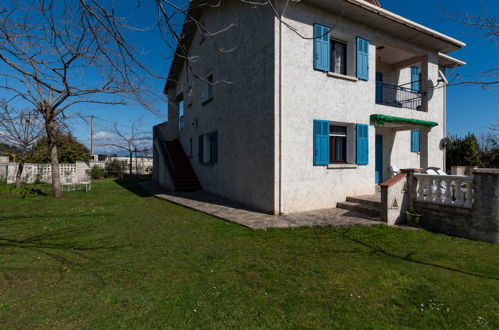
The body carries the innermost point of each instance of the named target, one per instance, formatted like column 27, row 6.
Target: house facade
column 298, row 105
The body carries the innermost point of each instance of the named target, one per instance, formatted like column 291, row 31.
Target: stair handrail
column 169, row 160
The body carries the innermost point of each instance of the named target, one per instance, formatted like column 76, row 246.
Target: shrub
column 97, row 173
column 116, row 168
column 38, row 178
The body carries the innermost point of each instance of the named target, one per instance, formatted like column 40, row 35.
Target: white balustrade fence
column 69, row 172
column 456, row 190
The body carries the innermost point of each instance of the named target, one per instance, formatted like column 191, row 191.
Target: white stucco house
column 297, row 105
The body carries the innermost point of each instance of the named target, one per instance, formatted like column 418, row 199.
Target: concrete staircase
column 185, row 177
column 369, row 205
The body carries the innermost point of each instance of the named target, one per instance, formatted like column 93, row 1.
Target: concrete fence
column 76, row 172
column 464, row 206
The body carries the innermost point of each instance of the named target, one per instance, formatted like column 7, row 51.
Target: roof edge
column 399, row 19
column 455, row 61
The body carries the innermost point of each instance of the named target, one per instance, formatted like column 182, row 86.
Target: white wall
column 266, row 157
column 309, row 95
column 242, row 108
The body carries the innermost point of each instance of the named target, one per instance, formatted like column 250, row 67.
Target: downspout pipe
column 281, row 17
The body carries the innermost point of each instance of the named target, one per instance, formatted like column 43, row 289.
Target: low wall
column 463, row 206
column 462, row 170
column 479, row 222
column 72, row 172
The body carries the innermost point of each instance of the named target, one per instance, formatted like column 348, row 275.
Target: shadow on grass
column 130, row 184
column 408, row 257
column 67, row 255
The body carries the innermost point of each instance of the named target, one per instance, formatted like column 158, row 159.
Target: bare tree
column 58, row 55
column 131, row 140
column 488, row 27
column 20, row 128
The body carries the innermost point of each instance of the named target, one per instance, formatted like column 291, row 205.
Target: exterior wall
column 308, row 94
column 480, row 222
column 242, row 109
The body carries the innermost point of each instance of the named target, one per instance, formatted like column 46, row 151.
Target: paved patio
column 233, row 212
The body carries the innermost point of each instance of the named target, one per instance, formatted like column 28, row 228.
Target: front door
column 378, row 175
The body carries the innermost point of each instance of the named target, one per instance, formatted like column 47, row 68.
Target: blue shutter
column 322, row 52
column 415, row 79
column 321, row 142
column 415, row 140
column 362, row 59
column 362, row 144
column 214, row 147
column 200, row 148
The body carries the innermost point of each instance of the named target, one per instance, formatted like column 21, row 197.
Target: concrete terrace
column 233, row 212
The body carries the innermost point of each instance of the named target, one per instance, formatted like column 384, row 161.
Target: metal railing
column 398, row 96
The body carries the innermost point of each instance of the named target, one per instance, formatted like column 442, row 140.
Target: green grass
column 114, row 257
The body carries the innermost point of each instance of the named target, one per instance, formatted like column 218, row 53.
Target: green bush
column 11, row 189
column 38, row 178
column 97, row 173
column 116, row 168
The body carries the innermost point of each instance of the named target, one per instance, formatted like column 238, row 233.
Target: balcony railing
column 398, row 96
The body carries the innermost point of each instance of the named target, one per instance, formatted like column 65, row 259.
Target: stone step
column 367, row 200
column 370, row 210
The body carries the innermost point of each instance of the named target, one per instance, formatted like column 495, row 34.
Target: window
column 337, row 144
column 415, row 79
column 340, row 53
column 338, row 57
column 208, row 148
column 362, row 59
column 208, row 93
column 415, row 140
column 181, row 113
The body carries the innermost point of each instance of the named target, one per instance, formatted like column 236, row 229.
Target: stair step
column 365, row 200
column 358, row 207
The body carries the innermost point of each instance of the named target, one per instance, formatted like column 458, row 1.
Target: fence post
column 412, row 186
column 485, row 224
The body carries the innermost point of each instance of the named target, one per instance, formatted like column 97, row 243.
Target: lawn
column 115, row 257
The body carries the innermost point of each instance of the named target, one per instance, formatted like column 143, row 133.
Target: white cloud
column 102, row 135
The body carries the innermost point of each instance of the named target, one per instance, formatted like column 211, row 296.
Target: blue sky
column 469, row 108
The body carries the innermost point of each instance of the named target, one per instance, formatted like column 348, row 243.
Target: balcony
column 401, row 76
column 398, row 96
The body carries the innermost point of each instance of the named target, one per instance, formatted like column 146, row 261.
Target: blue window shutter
column 415, row 79
column 415, row 140
column 321, row 142
column 362, row 144
column 362, row 59
column 201, row 148
column 214, row 147
column 322, row 51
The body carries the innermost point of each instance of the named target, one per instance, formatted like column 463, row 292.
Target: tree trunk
column 131, row 164
column 20, row 168
column 51, row 129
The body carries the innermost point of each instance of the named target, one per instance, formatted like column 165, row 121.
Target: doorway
column 378, row 175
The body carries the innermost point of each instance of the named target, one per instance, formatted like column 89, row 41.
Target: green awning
column 380, row 120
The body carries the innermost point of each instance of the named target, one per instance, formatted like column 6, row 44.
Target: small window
column 209, row 84
column 208, row 151
column 338, row 57
column 337, row 144
column 181, row 113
